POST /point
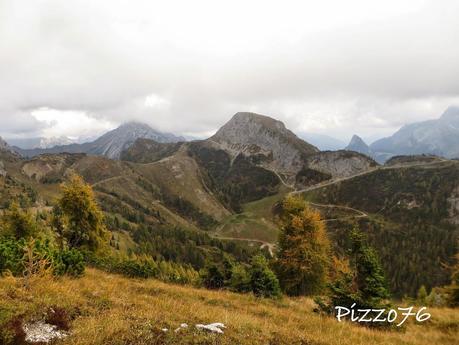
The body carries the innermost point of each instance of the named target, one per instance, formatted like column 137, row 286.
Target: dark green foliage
column 263, row 281
column 407, row 224
column 213, row 277
column 256, row 277
column 144, row 268
column 363, row 286
column 240, row 279
column 186, row 246
column 188, row 210
column 452, row 290
column 308, row 177
column 13, row 257
column 369, row 274
column 235, row 182
column 412, row 255
column 70, row 262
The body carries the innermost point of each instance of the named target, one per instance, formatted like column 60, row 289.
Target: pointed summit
column 358, row 145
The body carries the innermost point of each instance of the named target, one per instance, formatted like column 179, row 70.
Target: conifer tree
column 84, row 219
column 363, row 283
column 304, row 249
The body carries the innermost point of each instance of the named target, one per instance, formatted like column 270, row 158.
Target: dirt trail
column 263, row 244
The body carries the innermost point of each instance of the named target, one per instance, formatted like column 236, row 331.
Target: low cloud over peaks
column 334, row 68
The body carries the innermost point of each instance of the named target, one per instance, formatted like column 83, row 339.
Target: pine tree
column 84, row 219
column 304, row 249
column 363, row 283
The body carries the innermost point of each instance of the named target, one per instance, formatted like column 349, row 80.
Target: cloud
column 332, row 67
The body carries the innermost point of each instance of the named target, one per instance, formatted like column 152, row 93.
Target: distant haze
column 80, row 68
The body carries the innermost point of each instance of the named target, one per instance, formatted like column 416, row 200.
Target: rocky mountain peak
column 112, row 143
column 357, row 144
column 266, row 138
column 116, row 141
column 437, row 137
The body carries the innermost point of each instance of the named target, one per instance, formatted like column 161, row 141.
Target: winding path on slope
column 359, row 213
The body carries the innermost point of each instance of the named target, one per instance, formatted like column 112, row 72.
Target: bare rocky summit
column 265, row 139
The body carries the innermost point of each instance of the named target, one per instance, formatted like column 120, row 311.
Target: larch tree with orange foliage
column 83, row 219
column 304, row 254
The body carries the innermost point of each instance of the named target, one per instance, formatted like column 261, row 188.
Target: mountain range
column 433, row 137
column 439, row 137
column 111, row 144
column 228, row 186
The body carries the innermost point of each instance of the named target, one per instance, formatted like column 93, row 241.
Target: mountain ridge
column 437, row 136
column 110, row 144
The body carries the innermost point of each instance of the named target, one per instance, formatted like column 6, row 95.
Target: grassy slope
column 109, row 309
column 255, row 222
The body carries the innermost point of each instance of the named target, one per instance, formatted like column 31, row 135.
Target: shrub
column 11, row 255
column 144, row 268
column 213, row 277
column 263, row 281
column 16, row 257
column 70, row 262
column 240, row 279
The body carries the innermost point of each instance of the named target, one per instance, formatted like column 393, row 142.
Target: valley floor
column 108, row 309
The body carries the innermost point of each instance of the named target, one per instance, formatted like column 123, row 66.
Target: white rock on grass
column 40, row 332
column 182, row 326
column 212, row 327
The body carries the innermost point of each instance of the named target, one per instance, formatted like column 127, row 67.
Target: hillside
column 410, row 214
column 162, row 209
column 187, row 202
column 99, row 309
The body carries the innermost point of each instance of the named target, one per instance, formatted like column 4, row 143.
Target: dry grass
column 109, row 309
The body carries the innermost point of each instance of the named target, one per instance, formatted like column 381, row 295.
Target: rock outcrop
column 340, row 163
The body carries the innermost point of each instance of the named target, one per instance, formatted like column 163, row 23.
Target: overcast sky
column 78, row 68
